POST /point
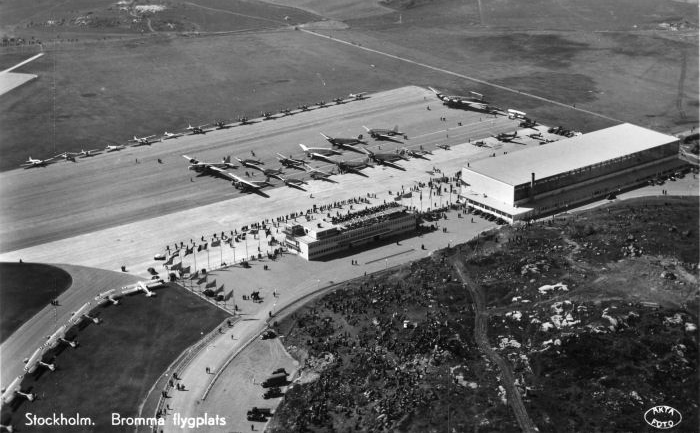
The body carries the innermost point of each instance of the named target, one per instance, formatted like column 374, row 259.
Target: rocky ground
column 594, row 314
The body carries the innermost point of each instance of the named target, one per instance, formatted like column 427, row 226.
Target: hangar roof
column 570, row 153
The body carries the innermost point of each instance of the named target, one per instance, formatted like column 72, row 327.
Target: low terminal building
column 316, row 238
column 550, row 178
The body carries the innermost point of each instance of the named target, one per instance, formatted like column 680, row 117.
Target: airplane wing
column 387, row 137
column 392, row 164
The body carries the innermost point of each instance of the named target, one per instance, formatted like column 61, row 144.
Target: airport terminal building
column 316, row 238
column 543, row 180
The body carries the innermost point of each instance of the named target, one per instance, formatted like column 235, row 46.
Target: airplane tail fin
column 434, row 91
column 324, row 136
column 396, row 128
column 366, row 128
column 304, row 148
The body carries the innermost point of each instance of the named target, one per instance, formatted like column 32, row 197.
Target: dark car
column 268, row 335
column 272, row 393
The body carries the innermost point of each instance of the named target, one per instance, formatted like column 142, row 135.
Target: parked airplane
column 77, row 316
column 317, row 174
column 475, row 102
column 249, row 162
column 249, row 186
column 114, row 147
column 353, row 167
column 36, row 360
column 293, row 183
column 358, row 96
column 321, row 103
column 303, row 107
column 325, row 151
column 414, row 153
column 339, row 101
column 286, row 111
column 267, row 115
column 141, row 141
column 58, row 337
column 344, row 143
column 244, row 121
column 219, row 124
column 290, row 162
column 212, row 168
column 269, row 172
column 196, row 129
column 110, row 295
column 443, row 146
column 168, row 135
column 31, row 162
column 13, row 390
column 504, row 136
column 387, row 159
column 83, row 153
column 384, row 134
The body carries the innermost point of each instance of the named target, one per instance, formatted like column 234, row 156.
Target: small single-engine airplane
column 344, row 143
column 285, row 111
column 197, row 129
column 443, row 146
column 244, row 121
column 141, row 141
column 36, row 360
column 13, row 390
column 321, row 104
column 219, row 124
column 339, row 101
column 325, row 151
column 415, row 153
column 249, row 162
column 358, row 96
column 303, row 107
column 290, row 162
column 168, row 135
column 267, row 115
column 82, row 154
column 384, row 134
column 114, row 147
column 506, row 137
column 31, row 162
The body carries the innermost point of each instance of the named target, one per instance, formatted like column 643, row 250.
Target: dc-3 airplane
column 211, row 168
column 249, row 185
column 290, row 162
column 475, row 103
column 317, row 174
column 388, row 159
column 196, row 129
column 141, row 141
column 13, row 390
column 82, row 312
column 58, row 337
column 314, row 152
column 385, row 134
column 114, row 147
column 506, row 137
column 31, row 162
column 36, row 360
column 269, row 172
column 168, row 135
column 344, row 143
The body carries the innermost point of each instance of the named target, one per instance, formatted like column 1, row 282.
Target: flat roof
column 570, row 153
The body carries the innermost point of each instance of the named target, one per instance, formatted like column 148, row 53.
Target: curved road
column 481, row 337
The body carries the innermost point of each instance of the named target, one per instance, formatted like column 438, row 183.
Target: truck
column 279, row 379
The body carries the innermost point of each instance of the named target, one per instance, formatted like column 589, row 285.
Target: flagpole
column 208, row 265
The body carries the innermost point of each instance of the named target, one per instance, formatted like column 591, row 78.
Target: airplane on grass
column 506, row 137
column 388, row 159
column 321, row 104
column 70, row 156
column 344, row 143
column 58, row 337
column 220, row 124
column 114, row 147
column 13, row 390
column 313, row 152
column 31, row 162
column 285, row 111
column 290, row 162
column 384, row 134
column 142, row 141
column 168, row 135
column 358, row 96
column 266, row 115
column 473, row 102
column 339, row 101
column 303, row 107
column 244, row 121
column 197, row 129
column 36, row 360
column 82, row 312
